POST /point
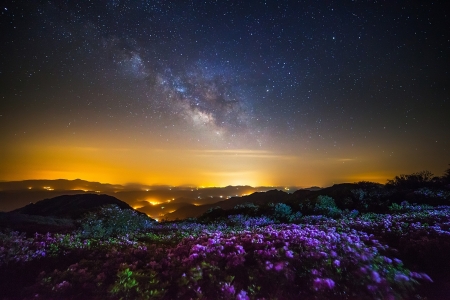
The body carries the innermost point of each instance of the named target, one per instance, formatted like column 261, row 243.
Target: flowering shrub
column 274, row 261
column 240, row 258
column 16, row 247
column 245, row 221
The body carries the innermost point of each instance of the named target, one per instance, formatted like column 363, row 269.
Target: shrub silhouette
column 446, row 177
column 412, row 181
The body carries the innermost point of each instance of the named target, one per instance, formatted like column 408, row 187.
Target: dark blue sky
column 362, row 83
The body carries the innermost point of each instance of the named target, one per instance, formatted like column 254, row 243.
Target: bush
column 325, row 205
column 406, row 207
column 352, row 214
column 111, row 221
column 246, row 209
column 247, row 205
column 412, row 181
column 361, row 199
column 283, row 213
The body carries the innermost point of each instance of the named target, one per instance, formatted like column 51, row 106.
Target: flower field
column 369, row 256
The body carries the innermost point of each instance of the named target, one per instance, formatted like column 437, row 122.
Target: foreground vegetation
column 316, row 249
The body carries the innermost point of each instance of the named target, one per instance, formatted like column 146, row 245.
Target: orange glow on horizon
column 102, row 161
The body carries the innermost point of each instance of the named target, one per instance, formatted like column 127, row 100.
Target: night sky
column 216, row 93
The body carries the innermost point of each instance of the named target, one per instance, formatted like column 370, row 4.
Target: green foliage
column 283, row 213
column 111, row 221
column 351, row 214
column 361, row 197
column 325, row 205
column 395, row 207
column 248, row 206
column 131, row 284
column 406, row 207
column 282, row 210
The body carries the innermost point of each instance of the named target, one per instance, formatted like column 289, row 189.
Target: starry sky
column 216, row 93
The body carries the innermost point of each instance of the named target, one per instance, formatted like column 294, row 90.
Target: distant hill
column 70, row 206
column 16, row 194
column 58, row 184
column 259, row 198
column 188, row 211
column 339, row 192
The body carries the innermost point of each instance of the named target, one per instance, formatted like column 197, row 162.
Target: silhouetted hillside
column 159, row 210
column 34, row 223
column 16, row 194
column 258, row 198
column 70, row 206
column 188, row 211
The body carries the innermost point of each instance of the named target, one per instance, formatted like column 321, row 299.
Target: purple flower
column 63, row 285
column 279, row 266
column 372, row 288
column 375, row 276
column 426, row 277
column 337, row 263
column 401, row 277
column 228, row 289
column 242, row 295
column 240, row 249
column 289, row 254
column 322, row 283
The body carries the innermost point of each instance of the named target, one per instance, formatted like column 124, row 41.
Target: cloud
column 244, row 153
column 230, row 174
